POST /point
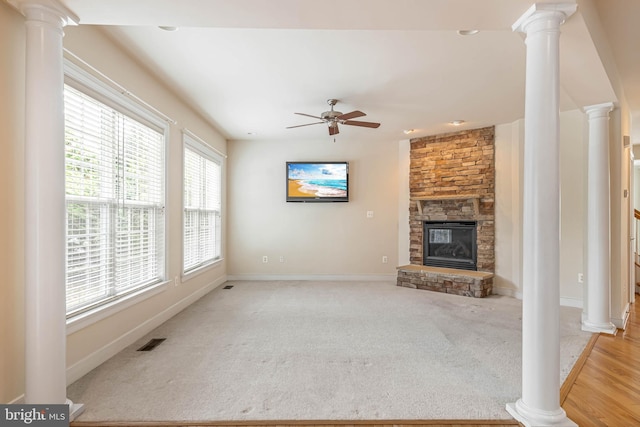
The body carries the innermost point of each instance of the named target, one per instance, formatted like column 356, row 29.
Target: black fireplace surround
column 450, row 244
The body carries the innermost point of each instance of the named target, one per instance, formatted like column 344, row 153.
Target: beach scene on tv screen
column 317, row 180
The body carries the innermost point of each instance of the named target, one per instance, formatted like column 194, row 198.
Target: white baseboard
column 571, row 302
column 95, row 359
column 621, row 322
column 514, row 293
column 316, row 277
column 84, row 320
column 507, row 292
column 18, row 400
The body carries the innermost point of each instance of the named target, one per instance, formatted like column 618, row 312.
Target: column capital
column 599, row 110
column 43, row 9
column 558, row 12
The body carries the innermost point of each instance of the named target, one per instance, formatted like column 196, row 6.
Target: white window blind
column 114, row 200
column 202, row 206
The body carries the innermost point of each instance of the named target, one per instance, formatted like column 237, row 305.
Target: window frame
column 91, row 85
column 203, row 149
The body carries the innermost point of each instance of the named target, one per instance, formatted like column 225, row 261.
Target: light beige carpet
column 322, row 351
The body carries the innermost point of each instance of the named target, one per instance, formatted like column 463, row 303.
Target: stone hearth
column 476, row 284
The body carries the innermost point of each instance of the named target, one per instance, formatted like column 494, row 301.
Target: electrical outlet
column 385, row 259
column 281, row 258
column 265, row 259
column 369, row 214
column 580, row 278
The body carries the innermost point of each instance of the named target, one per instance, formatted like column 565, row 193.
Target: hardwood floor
column 606, row 392
column 603, row 389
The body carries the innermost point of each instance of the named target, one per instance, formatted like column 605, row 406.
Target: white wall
column 91, row 345
column 317, row 240
column 404, row 229
column 574, row 139
column 636, row 187
column 509, row 168
column 619, row 126
column 635, row 229
column 12, row 39
column 508, row 208
column 262, row 223
column 620, row 217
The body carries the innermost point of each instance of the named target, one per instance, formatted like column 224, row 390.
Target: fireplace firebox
column 450, row 244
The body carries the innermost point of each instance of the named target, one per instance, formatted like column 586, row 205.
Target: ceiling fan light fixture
column 334, row 118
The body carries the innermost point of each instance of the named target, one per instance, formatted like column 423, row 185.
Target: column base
column 603, row 328
column 75, row 410
column 531, row 417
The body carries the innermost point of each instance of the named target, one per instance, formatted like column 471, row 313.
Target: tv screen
column 317, row 181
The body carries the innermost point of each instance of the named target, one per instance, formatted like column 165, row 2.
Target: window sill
column 82, row 320
column 201, row 270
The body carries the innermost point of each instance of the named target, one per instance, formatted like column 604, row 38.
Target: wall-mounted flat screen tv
column 317, row 181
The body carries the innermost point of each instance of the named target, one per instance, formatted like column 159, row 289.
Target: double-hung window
column 115, row 195
column 202, row 205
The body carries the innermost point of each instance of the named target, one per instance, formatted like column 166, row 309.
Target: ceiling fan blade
column 363, row 124
column 351, row 115
column 308, row 115
column 308, row 124
column 333, row 130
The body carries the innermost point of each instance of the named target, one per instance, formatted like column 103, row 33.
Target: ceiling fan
column 333, row 118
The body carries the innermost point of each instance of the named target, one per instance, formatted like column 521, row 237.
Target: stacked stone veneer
column 470, row 284
column 452, row 177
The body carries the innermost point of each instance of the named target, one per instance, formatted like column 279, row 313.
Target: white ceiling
column 248, row 65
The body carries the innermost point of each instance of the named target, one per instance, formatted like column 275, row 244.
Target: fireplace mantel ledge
column 474, row 197
column 448, row 197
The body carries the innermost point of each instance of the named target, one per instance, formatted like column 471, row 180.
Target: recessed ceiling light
column 168, row 28
column 456, row 122
column 468, row 32
column 408, row 131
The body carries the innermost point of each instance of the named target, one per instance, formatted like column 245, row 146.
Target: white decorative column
column 45, row 323
column 540, row 401
column 598, row 317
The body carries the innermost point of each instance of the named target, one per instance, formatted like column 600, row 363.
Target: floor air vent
column 151, row 344
column 228, row 287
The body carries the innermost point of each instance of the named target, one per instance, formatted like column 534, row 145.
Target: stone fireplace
column 452, row 181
